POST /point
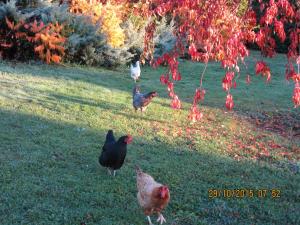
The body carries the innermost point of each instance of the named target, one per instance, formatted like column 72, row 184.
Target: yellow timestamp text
column 244, row 193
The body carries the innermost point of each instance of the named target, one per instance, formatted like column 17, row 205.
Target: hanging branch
column 202, row 75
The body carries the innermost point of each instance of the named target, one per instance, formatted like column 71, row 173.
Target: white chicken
column 135, row 71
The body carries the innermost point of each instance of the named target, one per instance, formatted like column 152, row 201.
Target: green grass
column 53, row 124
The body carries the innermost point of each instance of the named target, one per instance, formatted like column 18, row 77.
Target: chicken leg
column 149, row 220
column 111, row 173
column 161, row 219
column 143, row 109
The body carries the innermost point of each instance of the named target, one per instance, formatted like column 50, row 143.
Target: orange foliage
column 45, row 40
column 48, row 41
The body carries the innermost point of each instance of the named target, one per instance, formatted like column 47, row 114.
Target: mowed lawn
column 54, row 120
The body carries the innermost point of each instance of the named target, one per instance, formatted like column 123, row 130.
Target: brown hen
column 152, row 196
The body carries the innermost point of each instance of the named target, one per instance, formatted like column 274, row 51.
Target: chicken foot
column 149, row 220
column 161, row 219
column 111, row 173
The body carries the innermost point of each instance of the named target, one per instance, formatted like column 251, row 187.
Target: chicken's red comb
column 129, row 139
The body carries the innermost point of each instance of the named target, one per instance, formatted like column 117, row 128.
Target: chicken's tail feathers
column 110, row 133
column 110, row 136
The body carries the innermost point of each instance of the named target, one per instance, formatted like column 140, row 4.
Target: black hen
column 141, row 101
column 114, row 152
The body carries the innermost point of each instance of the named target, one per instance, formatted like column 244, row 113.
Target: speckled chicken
column 140, row 100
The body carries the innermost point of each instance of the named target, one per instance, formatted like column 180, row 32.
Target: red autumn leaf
column 286, row 7
column 195, row 114
column 170, row 86
column 225, row 85
column 270, row 14
column 263, row 69
column 163, row 79
column 290, row 73
column 159, row 61
column 296, row 77
column 279, row 29
column 229, row 102
column 192, row 50
column 296, row 95
column 259, row 67
column 227, row 80
column 176, row 104
column 176, row 76
column 160, row 11
column 199, row 95
column 171, row 94
column 234, row 84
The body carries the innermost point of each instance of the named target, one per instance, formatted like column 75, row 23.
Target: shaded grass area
column 53, row 124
